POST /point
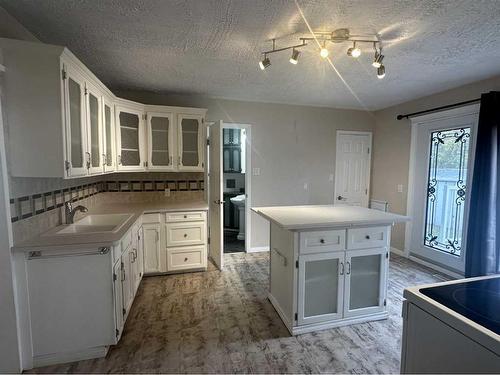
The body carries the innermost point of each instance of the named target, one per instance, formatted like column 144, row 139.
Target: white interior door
column 352, row 168
column 216, row 195
column 441, row 169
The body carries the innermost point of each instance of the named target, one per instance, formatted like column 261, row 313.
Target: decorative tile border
column 28, row 206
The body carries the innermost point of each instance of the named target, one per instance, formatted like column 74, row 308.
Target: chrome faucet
column 70, row 211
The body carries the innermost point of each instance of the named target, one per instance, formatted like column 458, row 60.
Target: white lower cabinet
column 153, row 257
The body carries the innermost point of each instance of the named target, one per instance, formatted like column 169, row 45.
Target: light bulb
column 377, row 60
column 323, row 53
column 354, row 51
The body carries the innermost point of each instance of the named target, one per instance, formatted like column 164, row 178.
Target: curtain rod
column 408, row 115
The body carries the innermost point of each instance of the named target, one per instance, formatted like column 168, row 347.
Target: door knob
column 218, row 201
column 340, row 198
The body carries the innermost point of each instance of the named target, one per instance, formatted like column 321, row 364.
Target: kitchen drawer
column 322, row 241
column 185, row 258
column 184, row 234
column 151, row 218
column 363, row 238
column 172, row 217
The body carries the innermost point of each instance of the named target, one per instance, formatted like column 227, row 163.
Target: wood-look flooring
column 222, row 322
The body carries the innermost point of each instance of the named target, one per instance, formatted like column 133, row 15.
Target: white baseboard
column 258, row 249
column 398, row 252
column 284, row 318
column 455, row 275
column 80, row 355
column 298, row 330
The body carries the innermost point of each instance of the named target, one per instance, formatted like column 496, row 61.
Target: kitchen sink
column 100, row 223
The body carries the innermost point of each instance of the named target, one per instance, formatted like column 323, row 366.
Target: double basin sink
column 93, row 223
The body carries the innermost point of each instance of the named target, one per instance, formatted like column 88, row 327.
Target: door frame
column 410, row 206
column 248, row 178
column 369, row 169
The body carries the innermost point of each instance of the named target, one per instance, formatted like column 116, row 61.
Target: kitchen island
column 328, row 264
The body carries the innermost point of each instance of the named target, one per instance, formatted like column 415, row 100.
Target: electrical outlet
column 400, row 188
column 167, row 192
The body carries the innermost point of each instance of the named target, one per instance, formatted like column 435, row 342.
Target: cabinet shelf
column 129, row 127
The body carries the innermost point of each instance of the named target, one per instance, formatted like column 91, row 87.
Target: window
column 446, row 190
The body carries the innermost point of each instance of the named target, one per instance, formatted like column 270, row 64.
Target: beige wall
column 391, row 146
column 292, row 146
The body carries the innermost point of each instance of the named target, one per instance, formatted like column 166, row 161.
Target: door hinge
column 208, row 142
column 124, row 311
column 385, row 302
column 144, row 163
column 368, row 150
column 115, row 277
column 366, row 191
column 208, row 240
column 387, row 255
column 86, row 91
column 67, row 165
column 63, row 74
column 296, row 316
column 117, row 332
column 296, row 264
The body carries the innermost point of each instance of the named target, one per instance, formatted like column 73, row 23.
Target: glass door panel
column 190, row 148
column 320, row 287
column 93, row 119
column 160, row 140
column 365, row 276
column 76, row 123
column 129, row 139
column 108, row 138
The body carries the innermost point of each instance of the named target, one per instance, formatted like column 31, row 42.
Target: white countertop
column 107, row 238
column 326, row 216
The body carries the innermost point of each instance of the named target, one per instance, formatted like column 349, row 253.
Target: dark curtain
column 483, row 234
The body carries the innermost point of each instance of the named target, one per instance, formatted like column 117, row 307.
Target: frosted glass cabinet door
column 76, row 163
column 160, row 141
column 190, row 135
column 109, row 137
column 365, row 281
column 321, row 286
column 94, row 128
column 129, row 127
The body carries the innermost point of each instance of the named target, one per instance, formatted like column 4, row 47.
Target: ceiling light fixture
column 264, row 63
column 335, row 36
column 381, row 72
column 295, row 57
column 354, row 51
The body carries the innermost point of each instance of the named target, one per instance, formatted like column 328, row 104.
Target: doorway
column 441, row 165
column 352, row 168
column 229, row 186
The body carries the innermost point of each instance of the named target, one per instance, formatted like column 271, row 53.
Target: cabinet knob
column 185, row 235
column 367, row 236
column 185, row 259
column 322, row 240
column 185, row 216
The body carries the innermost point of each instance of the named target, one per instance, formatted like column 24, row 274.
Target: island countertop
column 326, row 216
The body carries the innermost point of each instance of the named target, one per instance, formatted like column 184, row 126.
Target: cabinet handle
column 322, row 240
column 133, row 257
column 119, row 160
column 348, row 268
column 367, row 236
column 170, row 160
column 88, row 159
column 341, row 268
column 104, row 159
column 157, row 236
column 179, row 160
column 123, row 274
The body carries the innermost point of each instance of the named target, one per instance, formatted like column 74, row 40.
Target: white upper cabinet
column 64, row 122
column 76, row 134
column 161, row 133
column 130, row 137
column 190, row 142
column 109, row 135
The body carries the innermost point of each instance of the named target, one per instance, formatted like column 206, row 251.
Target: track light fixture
column 354, row 51
column 335, row 36
column 381, row 72
column 295, row 57
column 264, row 63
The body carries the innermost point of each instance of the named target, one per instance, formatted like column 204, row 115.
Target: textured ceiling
column 211, row 48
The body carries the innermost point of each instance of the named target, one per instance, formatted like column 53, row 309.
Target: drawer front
column 151, row 218
column 322, row 241
column 172, row 217
column 185, row 234
column 363, row 238
column 186, row 258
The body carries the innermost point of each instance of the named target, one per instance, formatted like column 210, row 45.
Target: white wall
column 292, row 146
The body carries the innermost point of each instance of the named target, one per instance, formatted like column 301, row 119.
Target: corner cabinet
column 56, row 107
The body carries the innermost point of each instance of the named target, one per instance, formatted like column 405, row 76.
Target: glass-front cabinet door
column 321, row 287
column 190, row 143
column 129, row 138
column 108, row 155
column 365, row 275
column 161, row 133
column 76, row 144
column 94, row 129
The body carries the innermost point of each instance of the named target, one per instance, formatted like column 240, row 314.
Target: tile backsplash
column 26, row 206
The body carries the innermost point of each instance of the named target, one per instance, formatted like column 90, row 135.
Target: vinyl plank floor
column 222, row 322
